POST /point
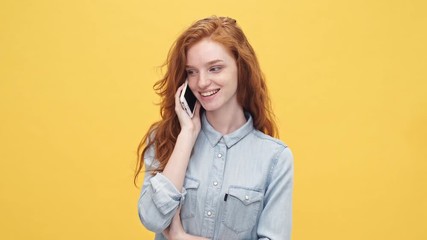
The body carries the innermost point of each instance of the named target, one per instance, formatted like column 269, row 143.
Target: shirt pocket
column 242, row 208
column 188, row 209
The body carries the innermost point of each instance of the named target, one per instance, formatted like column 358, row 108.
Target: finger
column 178, row 91
column 197, row 110
column 178, row 106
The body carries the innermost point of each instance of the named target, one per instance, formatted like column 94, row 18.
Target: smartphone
column 188, row 100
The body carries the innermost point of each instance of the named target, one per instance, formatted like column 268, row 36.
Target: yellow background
column 348, row 81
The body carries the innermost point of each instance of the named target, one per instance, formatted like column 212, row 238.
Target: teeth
column 210, row 93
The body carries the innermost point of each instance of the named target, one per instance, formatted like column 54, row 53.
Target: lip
column 210, row 93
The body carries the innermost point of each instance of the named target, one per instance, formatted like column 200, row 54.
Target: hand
column 175, row 231
column 191, row 125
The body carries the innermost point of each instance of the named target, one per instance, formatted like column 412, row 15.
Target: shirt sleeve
column 276, row 218
column 159, row 198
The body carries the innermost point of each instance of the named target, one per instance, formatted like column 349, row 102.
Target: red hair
column 252, row 92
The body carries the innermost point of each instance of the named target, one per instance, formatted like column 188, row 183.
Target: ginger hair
column 252, row 92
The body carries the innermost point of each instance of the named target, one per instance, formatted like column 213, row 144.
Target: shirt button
column 219, row 155
column 209, row 213
column 247, row 197
column 215, row 183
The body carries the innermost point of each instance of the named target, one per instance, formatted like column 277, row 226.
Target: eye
column 190, row 72
column 215, row 68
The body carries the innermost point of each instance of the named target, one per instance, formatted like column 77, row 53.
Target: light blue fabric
column 237, row 186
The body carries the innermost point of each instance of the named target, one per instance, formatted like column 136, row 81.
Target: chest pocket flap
column 190, row 183
column 189, row 208
column 242, row 210
column 246, row 196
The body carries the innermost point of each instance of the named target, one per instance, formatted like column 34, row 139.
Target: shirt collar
column 230, row 139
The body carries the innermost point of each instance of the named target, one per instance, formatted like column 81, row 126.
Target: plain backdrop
column 347, row 79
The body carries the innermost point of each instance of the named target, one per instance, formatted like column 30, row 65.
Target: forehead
column 205, row 51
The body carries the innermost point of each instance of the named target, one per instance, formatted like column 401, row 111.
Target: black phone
column 188, row 100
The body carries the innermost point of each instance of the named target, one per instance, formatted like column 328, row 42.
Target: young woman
column 220, row 174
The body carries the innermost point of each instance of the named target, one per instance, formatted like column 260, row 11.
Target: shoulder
column 282, row 152
column 267, row 140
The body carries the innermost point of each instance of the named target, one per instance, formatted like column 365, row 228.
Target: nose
column 204, row 80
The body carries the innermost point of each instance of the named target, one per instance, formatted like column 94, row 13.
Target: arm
column 176, row 232
column 161, row 193
column 276, row 218
column 190, row 127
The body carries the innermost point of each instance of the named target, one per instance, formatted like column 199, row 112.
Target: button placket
column 216, row 178
column 215, row 183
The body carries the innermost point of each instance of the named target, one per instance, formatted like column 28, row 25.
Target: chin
column 210, row 108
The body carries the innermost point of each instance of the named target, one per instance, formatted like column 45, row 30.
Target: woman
column 220, row 174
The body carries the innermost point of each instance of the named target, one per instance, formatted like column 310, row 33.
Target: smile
column 209, row 93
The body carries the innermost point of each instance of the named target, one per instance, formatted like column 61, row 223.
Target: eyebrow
column 209, row 63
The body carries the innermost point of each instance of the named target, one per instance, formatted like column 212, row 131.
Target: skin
column 210, row 67
column 212, row 75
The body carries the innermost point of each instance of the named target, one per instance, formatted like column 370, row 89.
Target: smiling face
column 212, row 76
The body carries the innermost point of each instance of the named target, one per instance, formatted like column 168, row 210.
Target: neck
column 226, row 122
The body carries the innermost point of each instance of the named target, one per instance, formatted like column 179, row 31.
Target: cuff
column 165, row 195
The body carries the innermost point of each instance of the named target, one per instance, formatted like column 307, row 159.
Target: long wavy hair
column 252, row 91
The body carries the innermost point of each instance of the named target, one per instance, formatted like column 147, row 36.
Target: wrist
column 181, row 236
column 178, row 236
column 188, row 134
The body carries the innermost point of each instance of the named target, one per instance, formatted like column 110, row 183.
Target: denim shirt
column 237, row 186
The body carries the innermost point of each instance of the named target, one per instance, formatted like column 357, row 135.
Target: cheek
column 192, row 83
column 234, row 82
